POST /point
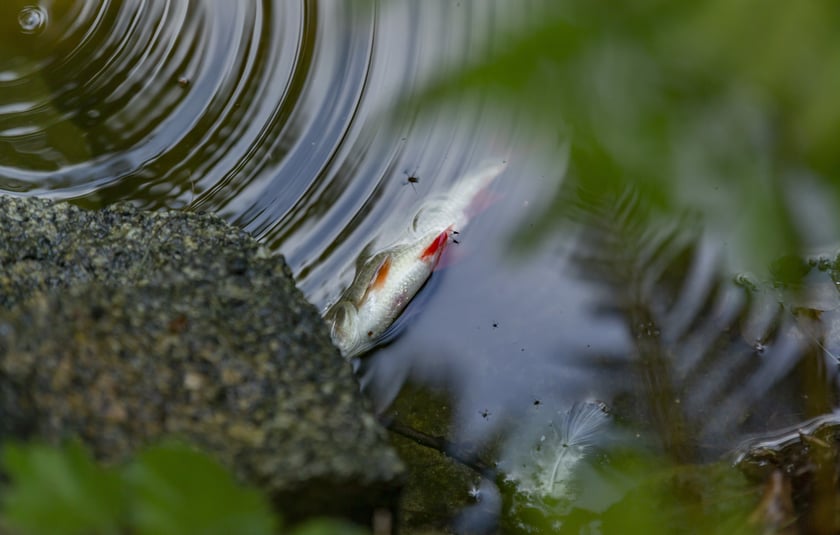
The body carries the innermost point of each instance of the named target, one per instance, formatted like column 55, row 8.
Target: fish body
column 386, row 282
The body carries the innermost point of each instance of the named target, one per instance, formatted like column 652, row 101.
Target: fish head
column 382, row 288
column 343, row 321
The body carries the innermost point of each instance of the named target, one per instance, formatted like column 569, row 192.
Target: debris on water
column 797, row 468
column 746, row 281
column 546, row 468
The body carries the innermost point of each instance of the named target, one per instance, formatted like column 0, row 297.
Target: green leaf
column 179, row 490
column 59, row 491
column 694, row 105
column 328, row 526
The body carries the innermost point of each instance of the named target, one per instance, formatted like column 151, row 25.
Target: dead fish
column 387, row 281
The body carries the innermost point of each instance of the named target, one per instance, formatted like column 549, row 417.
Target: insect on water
column 411, row 179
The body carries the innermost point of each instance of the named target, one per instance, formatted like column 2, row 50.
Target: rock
column 440, row 492
column 48, row 245
column 124, row 327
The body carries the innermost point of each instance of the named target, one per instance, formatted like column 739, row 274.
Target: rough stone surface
column 122, row 327
column 49, row 245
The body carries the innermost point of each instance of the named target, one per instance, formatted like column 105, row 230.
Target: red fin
column 378, row 280
column 437, row 245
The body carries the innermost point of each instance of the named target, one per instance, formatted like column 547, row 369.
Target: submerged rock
column 122, row 327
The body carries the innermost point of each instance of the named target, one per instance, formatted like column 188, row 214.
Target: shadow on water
column 584, row 347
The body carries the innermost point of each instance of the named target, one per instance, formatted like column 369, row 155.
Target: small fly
column 412, row 179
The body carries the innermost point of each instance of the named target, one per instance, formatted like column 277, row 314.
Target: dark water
column 282, row 118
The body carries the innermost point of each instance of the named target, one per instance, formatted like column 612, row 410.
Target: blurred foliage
column 60, row 492
column 718, row 107
column 647, row 495
column 167, row 489
column 175, row 490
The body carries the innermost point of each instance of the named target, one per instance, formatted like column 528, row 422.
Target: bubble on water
column 32, row 19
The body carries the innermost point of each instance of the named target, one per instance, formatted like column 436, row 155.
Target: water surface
column 298, row 122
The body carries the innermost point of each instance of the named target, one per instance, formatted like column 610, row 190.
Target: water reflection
column 155, row 101
column 279, row 116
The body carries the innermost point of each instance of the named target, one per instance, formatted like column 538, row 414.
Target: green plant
column 170, row 488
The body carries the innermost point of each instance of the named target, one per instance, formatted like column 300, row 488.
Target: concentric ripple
column 274, row 114
column 154, row 100
column 32, row 19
